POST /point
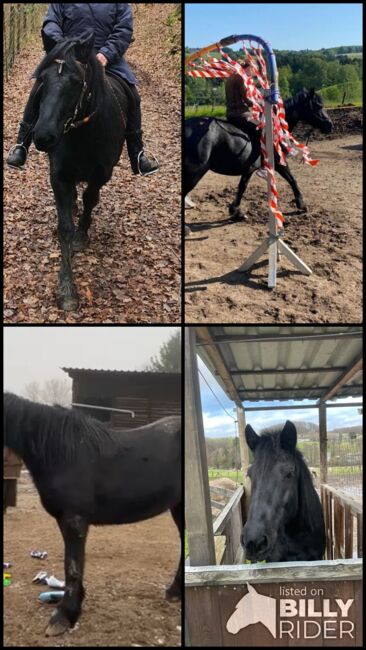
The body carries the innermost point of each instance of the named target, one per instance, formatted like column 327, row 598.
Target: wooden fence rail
column 343, row 523
column 20, row 22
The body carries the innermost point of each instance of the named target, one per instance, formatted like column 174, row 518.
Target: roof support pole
column 244, row 455
column 323, row 442
column 197, row 493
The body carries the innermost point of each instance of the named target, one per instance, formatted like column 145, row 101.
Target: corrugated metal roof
column 71, row 371
column 283, row 362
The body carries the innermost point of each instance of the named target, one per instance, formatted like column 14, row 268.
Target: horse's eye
column 289, row 474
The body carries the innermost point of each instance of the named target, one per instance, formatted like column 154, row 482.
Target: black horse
column 285, row 520
column 217, row 145
column 86, row 473
column 81, row 125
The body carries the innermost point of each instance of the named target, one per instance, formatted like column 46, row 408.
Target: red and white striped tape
column 225, row 67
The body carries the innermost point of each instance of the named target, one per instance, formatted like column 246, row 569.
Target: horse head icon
column 253, row 608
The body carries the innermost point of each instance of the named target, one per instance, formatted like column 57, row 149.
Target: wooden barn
column 150, row 395
column 231, row 603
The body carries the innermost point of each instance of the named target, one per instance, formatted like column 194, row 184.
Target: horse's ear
column 312, row 92
column 84, row 46
column 251, row 437
column 288, row 436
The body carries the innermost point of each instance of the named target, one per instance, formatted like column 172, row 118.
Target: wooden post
column 244, row 451
column 197, row 492
column 245, row 458
column 323, row 442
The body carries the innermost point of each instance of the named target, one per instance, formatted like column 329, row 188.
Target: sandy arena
column 126, row 571
column 328, row 238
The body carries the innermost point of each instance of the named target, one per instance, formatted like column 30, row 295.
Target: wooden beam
column 244, row 449
column 245, row 458
column 287, row 371
column 276, row 338
column 204, row 338
column 346, row 499
column 290, row 572
column 352, row 369
column 323, row 443
column 306, row 389
column 221, row 520
column 298, row 406
column 198, row 508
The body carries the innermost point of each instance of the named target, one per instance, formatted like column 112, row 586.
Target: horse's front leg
column 174, row 591
column 90, row 200
column 285, row 172
column 234, row 208
column 74, row 529
column 64, row 192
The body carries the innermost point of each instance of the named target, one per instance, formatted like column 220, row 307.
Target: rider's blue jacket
column 111, row 23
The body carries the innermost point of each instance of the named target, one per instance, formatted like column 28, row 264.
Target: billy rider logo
column 298, row 619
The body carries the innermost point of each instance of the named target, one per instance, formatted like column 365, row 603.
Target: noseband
column 73, row 122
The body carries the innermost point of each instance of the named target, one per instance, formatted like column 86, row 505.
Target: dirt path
column 131, row 271
column 328, row 238
column 126, row 571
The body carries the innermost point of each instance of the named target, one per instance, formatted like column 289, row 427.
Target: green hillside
column 336, row 73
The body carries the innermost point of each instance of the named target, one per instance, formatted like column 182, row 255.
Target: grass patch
column 205, row 111
column 235, row 475
column 220, row 111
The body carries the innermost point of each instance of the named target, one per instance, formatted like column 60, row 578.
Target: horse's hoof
column 80, row 241
column 301, row 206
column 58, row 624
column 173, row 594
column 238, row 217
column 68, row 303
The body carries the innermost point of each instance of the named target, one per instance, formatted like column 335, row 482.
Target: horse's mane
column 308, row 515
column 301, row 95
column 62, row 434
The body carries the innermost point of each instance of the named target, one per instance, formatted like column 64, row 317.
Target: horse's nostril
column 254, row 546
column 262, row 544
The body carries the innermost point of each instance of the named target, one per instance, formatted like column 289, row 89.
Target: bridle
column 73, row 122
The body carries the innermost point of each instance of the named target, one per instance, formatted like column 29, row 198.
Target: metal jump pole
column 273, row 243
column 103, row 408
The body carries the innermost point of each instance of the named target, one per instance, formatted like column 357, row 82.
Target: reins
column 72, row 122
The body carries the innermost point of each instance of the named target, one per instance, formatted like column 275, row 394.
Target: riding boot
column 140, row 164
column 18, row 154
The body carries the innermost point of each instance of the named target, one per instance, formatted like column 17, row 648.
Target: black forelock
column 64, row 50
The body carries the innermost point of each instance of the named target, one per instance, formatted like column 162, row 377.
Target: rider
column 113, row 26
column 238, row 104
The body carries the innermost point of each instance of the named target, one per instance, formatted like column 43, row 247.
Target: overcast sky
column 38, row 353
column 219, row 424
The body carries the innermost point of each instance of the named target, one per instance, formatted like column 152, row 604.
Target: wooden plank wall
column 210, row 608
column 146, row 411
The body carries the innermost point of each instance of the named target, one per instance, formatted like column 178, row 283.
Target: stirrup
column 18, row 145
column 11, row 151
column 153, row 171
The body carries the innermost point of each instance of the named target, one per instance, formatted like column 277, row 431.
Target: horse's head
column 63, row 73
column 274, row 477
column 311, row 110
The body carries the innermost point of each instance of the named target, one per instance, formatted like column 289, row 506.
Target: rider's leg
column 18, row 154
column 139, row 162
column 251, row 129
